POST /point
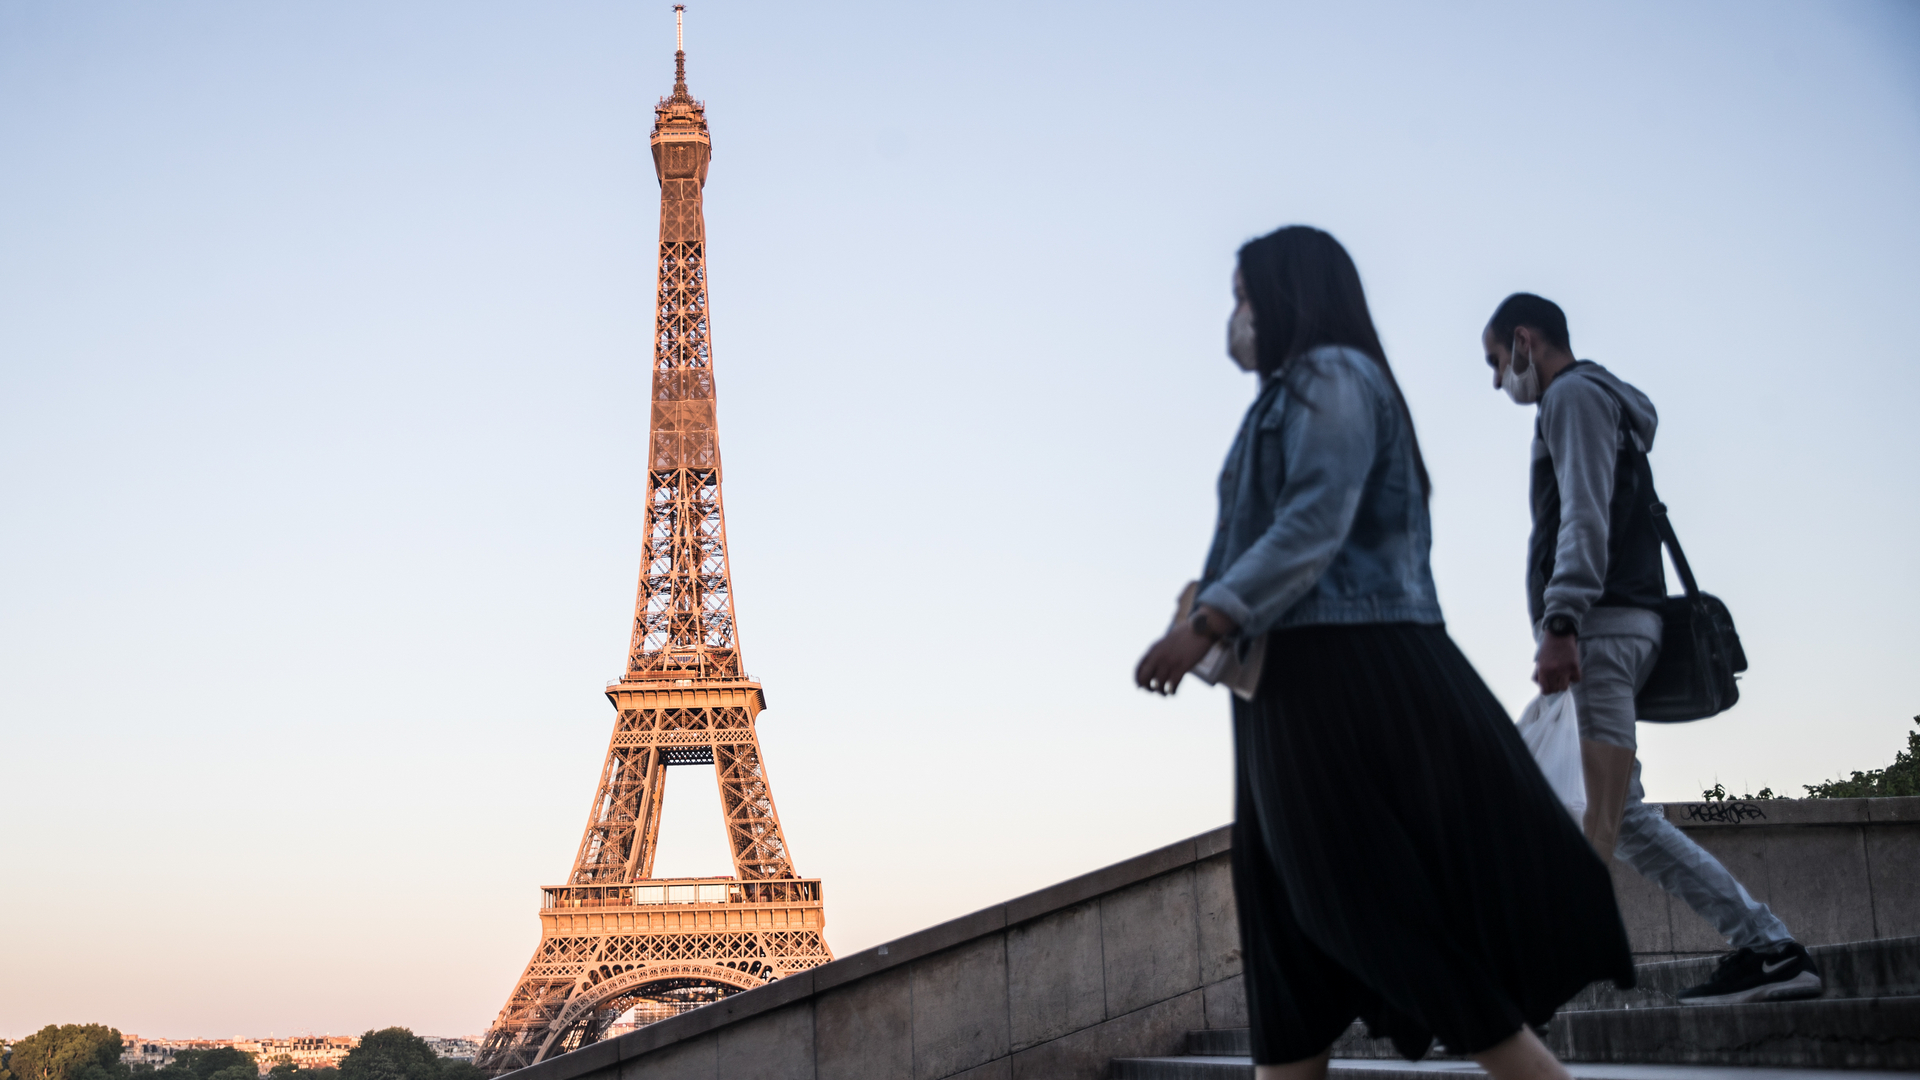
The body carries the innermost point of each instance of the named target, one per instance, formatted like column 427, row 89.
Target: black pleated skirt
column 1398, row 857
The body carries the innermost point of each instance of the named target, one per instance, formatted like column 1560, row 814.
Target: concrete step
column 1839, row 1033
column 1241, row 1068
column 1832, row 1033
column 1237, row 1042
column 1222, row 1042
column 1860, row 969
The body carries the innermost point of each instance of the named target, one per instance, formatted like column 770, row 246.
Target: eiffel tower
column 614, row 936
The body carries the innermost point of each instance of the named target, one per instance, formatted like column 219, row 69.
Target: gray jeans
column 1613, row 666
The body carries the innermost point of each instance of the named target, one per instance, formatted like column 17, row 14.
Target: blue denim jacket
column 1321, row 516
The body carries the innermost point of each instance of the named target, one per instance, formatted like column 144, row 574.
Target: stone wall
column 1834, row 870
column 1123, row 962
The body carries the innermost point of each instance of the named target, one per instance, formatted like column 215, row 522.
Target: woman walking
column 1397, row 856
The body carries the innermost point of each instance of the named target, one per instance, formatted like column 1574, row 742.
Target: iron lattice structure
column 614, row 936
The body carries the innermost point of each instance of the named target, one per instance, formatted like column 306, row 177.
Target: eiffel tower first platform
column 615, row 937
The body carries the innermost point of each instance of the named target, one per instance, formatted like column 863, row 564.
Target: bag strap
column 1665, row 528
column 1659, row 509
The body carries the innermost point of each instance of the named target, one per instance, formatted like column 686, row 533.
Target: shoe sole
column 1804, row 985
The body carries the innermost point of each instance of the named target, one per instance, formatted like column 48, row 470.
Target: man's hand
column 1556, row 665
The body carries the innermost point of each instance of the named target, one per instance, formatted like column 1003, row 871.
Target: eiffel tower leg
column 647, row 834
column 746, row 797
column 624, row 824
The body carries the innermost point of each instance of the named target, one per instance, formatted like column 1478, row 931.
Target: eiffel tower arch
column 614, row 936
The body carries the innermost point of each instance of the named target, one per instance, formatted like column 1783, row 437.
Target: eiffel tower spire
column 615, row 937
column 679, row 51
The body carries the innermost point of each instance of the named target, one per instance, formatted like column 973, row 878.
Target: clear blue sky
column 323, row 357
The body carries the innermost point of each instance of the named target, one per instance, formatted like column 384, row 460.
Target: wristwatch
column 1198, row 623
column 1562, row 626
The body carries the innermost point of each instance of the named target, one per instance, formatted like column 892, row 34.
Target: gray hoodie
column 1594, row 555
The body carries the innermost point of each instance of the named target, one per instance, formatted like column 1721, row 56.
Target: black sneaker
column 1779, row 974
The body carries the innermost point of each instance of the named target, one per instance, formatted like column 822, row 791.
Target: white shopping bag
column 1552, row 733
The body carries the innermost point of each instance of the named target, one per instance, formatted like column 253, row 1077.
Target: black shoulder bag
column 1700, row 655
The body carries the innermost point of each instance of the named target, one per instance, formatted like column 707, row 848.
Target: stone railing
column 1123, row 962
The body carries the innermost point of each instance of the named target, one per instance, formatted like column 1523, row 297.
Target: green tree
column 68, row 1052
column 391, row 1054
column 394, row 1053
column 1900, row 778
column 284, row 1069
column 6, row 1055
column 1719, row 793
column 219, row 1063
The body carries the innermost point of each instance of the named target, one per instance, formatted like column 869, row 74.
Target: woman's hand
column 1170, row 658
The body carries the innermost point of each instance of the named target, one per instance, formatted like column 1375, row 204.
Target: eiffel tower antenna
column 679, row 47
column 614, row 937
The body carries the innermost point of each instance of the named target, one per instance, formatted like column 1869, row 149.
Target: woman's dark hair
column 1525, row 309
column 1305, row 293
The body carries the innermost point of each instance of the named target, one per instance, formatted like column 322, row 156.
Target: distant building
column 159, row 1053
column 135, row 1050
column 458, row 1047
column 303, row 1051
column 647, row 1012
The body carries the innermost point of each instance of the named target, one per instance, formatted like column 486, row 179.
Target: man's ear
column 1524, row 338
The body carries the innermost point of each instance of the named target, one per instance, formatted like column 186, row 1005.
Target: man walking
column 1594, row 587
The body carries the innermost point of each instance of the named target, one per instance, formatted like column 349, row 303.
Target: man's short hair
column 1538, row 312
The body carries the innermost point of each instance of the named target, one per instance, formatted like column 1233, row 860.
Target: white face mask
column 1240, row 338
column 1523, row 387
